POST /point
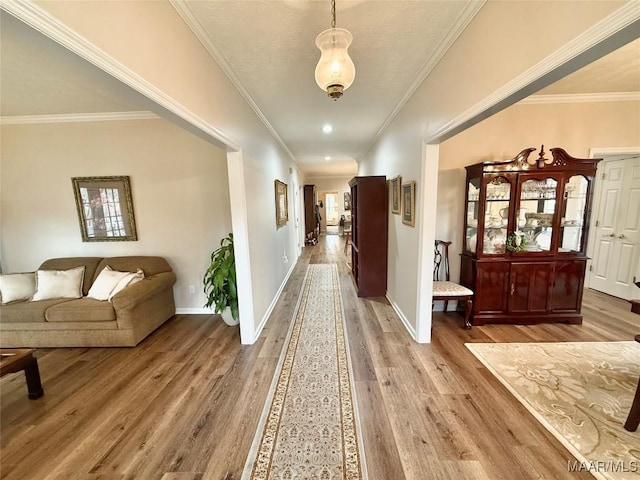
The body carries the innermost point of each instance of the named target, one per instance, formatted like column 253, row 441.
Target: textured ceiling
column 617, row 72
column 268, row 47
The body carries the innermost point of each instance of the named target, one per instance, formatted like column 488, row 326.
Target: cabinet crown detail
column 524, row 161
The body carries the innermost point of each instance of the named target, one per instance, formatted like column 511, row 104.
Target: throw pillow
column 59, row 283
column 105, row 282
column 130, row 279
column 17, row 286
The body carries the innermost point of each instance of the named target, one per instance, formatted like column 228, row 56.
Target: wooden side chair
column 445, row 290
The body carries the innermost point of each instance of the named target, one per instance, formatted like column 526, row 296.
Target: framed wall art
column 105, row 209
column 409, row 203
column 347, row 200
column 282, row 203
column 396, row 198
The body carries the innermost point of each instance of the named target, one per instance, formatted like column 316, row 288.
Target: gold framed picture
column 282, row 203
column 105, row 209
column 409, row 203
column 396, row 199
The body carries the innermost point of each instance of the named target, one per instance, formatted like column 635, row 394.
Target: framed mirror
column 105, row 209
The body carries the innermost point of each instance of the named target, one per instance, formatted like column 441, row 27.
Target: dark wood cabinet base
column 484, row 319
column 635, row 306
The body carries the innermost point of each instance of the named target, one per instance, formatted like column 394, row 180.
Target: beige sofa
column 129, row 317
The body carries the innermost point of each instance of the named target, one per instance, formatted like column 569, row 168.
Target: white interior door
column 617, row 229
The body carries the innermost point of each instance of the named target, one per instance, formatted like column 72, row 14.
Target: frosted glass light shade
column 335, row 71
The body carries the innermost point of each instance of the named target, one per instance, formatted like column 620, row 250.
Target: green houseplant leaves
column 220, row 279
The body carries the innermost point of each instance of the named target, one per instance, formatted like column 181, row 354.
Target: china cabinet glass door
column 535, row 216
column 496, row 216
column 473, row 208
column 572, row 221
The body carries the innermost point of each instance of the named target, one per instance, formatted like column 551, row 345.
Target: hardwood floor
column 185, row 403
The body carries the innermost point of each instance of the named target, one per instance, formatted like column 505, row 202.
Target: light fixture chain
column 333, row 13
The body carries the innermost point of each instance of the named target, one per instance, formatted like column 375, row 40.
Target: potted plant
column 220, row 282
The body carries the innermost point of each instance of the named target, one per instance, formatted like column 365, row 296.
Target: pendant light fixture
column 335, row 71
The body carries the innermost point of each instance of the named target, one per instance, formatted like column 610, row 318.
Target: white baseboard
column 193, row 311
column 263, row 322
column 403, row 318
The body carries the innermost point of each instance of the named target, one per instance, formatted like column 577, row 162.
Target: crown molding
column 332, row 177
column 582, row 98
column 77, row 117
column 468, row 14
column 626, row 16
column 32, row 14
column 184, row 10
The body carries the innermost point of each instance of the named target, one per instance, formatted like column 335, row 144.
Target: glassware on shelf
column 474, row 190
column 496, row 220
column 494, row 241
column 536, row 213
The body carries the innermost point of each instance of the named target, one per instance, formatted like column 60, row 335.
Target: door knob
column 622, row 236
column 612, row 235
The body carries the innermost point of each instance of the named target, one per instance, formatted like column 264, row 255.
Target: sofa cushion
column 149, row 265
column 59, row 283
column 90, row 263
column 105, row 282
column 129, row 279
column 21, row 312
column 81, row 310
column 17, row 286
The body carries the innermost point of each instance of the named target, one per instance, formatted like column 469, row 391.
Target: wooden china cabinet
column 525, row 229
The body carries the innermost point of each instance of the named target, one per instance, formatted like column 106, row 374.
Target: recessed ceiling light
column 327, row 158
column 327, row 128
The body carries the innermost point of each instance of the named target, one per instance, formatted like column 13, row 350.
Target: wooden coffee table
column 16, row 359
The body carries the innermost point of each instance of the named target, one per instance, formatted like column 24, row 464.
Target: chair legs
column 468, row 306
column 634, row 414
column 467, row 313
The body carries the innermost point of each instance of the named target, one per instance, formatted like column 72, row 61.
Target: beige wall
column 179, row 189
column 575, row 127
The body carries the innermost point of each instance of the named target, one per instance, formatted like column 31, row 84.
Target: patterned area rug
column 581, row 392
column 309, row 428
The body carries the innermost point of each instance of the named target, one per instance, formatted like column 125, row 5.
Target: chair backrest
column 441, row 260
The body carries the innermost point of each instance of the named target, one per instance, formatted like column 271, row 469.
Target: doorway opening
column 331, row 209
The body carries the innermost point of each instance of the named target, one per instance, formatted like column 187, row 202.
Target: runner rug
column 580, row 392
column 309, row 427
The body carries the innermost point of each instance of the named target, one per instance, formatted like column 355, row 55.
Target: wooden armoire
column 369, row 225
column 309, row 213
